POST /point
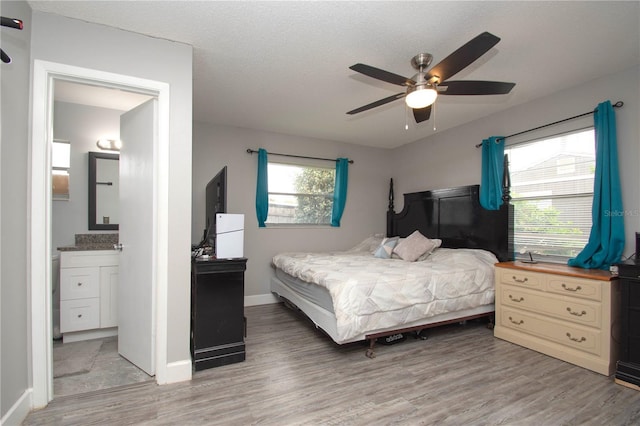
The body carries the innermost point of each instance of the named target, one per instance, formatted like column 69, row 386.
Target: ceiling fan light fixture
column 421, row 96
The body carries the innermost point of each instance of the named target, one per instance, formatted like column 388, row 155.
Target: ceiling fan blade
column 422, row 114
column 463, row 57
column 376, row 103
column 383, row 75
column 475, row 87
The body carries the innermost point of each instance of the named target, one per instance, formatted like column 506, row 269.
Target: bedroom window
column 300, row 195
column 552, row 190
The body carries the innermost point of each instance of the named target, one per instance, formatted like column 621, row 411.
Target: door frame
column 39, row 225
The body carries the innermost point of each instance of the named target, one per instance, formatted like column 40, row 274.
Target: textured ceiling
column 284, row 66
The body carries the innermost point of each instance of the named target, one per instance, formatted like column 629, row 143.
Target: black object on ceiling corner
column 11, row 23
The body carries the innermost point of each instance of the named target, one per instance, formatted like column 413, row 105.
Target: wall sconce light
column 109, row 144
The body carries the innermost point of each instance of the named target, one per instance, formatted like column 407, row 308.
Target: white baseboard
column 260, row 299
column 78, row 336
column 19, row 411
column 179, row 371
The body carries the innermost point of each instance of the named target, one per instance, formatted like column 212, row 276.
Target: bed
column 360, row 295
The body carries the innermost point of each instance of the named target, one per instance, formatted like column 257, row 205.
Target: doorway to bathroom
column 40, row 252
column 84, row 117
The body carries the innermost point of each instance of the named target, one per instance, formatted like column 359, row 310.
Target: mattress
column 368, row 293
column 313, row 293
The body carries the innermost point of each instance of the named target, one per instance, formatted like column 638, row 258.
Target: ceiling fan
column 424, row 87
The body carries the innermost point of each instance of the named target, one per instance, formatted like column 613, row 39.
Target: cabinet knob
column 79, row 284
column 79, row 315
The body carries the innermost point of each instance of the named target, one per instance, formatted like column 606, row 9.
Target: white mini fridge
column 229, row 235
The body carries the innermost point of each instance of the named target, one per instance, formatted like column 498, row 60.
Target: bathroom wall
column 82, row 126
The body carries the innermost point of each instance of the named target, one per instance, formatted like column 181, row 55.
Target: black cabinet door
column 217, row 312
column 219, row 308
column 628, row 367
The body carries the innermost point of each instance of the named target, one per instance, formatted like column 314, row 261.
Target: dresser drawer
column 80, row 314
column 79, row 283
column 522, row 278
column 575, row 310
column 575, row 287
column 583, row 339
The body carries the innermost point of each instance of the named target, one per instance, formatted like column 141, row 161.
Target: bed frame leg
column 422, row 334
column 492, row 321
column 370, row 353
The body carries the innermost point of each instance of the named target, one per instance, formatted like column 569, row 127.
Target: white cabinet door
column 109, row 296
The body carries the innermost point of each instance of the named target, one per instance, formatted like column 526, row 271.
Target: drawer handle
column 516, row 322
column 79, row 284
column 524, row 280
column 575, row 339
column 577, row 314
column 518, row 300
column 578, row 288
column 79, row 315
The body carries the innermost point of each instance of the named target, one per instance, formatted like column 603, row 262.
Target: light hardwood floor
column 294, row 375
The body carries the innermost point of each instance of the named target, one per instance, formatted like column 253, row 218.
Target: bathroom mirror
column 104, row 191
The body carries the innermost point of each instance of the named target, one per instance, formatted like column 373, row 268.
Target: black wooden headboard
column 456, row 217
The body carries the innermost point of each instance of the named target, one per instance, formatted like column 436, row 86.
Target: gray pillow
column 414, row 246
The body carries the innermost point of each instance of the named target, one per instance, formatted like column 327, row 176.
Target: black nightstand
column 628, row 367
column 217, row 312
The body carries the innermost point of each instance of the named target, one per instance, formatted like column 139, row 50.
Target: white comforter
column 370, row 294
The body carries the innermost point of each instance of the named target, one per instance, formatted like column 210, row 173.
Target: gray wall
column 82, row 126
column 14, row 214
column 365, row 212
column 82, row 44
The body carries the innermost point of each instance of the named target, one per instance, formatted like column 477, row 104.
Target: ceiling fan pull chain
column 433, row 109
column 406, row 117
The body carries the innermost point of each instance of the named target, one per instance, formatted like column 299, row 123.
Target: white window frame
column 544, row 198
column 309, row 165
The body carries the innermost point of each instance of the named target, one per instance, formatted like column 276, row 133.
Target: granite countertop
column 84, row 247
column 92, row 242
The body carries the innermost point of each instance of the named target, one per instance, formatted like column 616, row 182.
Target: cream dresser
column 567, row 313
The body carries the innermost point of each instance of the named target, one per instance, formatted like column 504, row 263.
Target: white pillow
column 370, row 244
column 386, row 248
column 414, row 246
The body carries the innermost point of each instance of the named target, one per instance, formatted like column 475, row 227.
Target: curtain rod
column 618, row 104
column 251, row 151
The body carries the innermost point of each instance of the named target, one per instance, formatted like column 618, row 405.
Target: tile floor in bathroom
column 109, row 370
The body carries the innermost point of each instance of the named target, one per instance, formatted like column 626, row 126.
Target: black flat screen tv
column 216, row 202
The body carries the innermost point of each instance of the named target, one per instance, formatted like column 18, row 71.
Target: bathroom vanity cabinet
column 88, row 294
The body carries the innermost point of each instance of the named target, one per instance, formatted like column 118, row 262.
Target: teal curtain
column 492, row 171
column 262, row 188
column 340, row 190
column 606, row 240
